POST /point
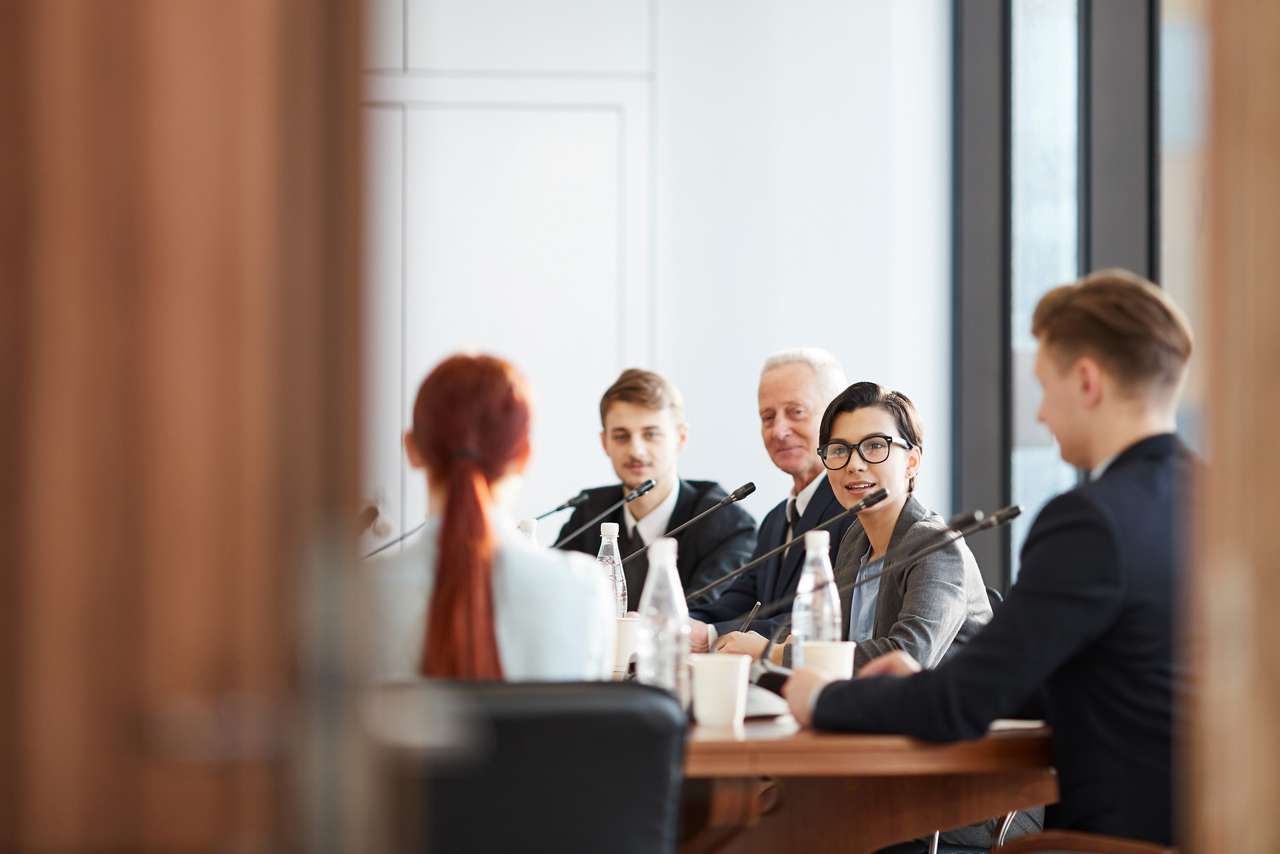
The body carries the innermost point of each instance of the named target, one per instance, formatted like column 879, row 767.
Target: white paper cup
column 625, row 647
column 834, row 658
column 720, row 688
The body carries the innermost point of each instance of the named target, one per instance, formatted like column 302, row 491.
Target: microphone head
column 872, row 500
column 742, row 492
column 640, row 490
column 580, row 498
column 966, row 520
column 1003, row 516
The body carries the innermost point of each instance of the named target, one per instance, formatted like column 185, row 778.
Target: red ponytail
column 470, row 423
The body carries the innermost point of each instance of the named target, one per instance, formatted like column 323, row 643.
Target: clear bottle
column 529, row 527
column 662, row 642
column 611, row 562
column 815, row 612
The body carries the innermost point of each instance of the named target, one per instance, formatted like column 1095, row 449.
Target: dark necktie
column 793, row 518
column 635, row 571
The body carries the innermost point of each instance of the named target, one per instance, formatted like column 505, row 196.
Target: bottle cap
column 817, row 541
column 608, row 529
column 663, row 549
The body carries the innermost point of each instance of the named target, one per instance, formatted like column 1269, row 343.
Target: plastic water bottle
column 611, row 562
column 662, row 642
column 529, row 527
column 815, row 612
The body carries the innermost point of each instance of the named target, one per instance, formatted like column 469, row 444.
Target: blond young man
column 1086, row 637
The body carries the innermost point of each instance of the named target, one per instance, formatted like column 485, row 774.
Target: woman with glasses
column 468, row 598
column 871, row 438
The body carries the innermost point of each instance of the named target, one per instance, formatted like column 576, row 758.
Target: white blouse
column 553, row 610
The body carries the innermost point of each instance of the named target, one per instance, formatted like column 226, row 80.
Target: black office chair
column 557, row 767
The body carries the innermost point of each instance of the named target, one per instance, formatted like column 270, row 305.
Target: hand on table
column 697, row 636
column 800, row 690
column 744, row 643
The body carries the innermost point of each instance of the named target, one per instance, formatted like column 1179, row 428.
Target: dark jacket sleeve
column 1068, row 594
column 737, row 600
column 729, row 542
column 740, row 595
column 577, row 544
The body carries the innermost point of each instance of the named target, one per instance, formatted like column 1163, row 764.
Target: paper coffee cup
column 625, row 647
column 720, row 688
column 834, row 658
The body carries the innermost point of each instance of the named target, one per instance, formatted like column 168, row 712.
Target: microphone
column 870, row 501
column 1001, row 517
column 626, row 499
column 737, row 495
column 400, row 539
column 580, row 498
column 981, row 522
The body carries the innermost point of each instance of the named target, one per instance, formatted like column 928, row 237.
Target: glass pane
column 1044, row 142
column 1183, row 83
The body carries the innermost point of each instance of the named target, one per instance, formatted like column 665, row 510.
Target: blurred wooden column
column 179, row 189
column 1233, row 773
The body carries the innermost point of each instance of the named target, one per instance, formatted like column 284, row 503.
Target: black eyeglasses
column 873, row 449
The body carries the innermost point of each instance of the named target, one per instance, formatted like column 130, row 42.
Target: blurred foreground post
column 179, row 194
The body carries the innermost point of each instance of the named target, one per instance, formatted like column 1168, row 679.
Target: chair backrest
column 558, row 767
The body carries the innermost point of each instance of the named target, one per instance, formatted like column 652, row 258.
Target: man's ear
column 682, row 436
column 1088, row 377
column 604, row 442
column 411, row 451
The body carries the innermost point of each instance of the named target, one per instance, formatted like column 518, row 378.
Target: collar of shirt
column 806, row 494
column 655, row 524
column 1101, row 468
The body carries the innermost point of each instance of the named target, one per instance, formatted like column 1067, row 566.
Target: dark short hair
column 643, row 388
column 865, row 394
column 1124, row 321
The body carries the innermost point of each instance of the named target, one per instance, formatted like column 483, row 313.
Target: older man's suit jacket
column 1088, row 630
column 777, row 577
column 704, row 551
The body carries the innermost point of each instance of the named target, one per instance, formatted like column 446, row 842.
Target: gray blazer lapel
column 889, row 599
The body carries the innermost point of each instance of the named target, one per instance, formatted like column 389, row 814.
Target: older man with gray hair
column 795, row 388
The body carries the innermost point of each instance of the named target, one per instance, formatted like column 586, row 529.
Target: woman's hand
column 743, row 643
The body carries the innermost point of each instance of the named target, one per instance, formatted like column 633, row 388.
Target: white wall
column 685, row 185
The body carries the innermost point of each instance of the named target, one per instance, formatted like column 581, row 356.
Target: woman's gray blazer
column 925, row 609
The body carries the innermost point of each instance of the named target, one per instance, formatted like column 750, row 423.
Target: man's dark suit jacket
column 778, row 576
column 1087, row 632
column 704, row 551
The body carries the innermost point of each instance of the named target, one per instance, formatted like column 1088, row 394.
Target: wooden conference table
column 774, row 787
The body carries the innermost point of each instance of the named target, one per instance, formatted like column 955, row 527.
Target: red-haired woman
column 469, row 597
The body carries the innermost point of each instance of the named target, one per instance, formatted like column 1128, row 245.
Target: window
column 1044, row 229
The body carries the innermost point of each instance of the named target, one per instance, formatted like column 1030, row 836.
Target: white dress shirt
column 656, row 521
column 801, row 500
column 553, row 611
